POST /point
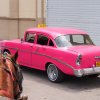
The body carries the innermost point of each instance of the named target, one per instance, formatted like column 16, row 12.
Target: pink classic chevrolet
column 57, row 51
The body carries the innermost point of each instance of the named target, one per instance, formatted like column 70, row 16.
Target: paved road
column 37, row 87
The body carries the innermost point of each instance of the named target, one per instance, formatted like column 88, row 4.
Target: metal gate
column 81, row 14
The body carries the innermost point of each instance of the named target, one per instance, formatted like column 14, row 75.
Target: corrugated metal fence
column 81, row 14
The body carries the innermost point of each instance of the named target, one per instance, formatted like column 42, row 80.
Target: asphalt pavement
column 37, row 86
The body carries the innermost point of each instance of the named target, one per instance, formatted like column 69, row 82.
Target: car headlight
column 78, row 61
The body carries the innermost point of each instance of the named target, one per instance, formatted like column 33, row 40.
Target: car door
column 25, row 51
column 40, row 49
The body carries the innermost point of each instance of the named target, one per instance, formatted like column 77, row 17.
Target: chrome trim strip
column 16, row 49
column 36, row 52
column 25, row 51
column 9, row 48
column 56, row 59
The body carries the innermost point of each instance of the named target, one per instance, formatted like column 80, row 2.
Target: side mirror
column 22, row 40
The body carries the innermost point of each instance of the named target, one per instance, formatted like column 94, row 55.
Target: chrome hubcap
column 52, row 72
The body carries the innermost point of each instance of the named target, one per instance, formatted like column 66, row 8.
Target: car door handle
column 31, row 45
column 43, row 48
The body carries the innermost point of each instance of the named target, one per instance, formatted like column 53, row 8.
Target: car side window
column 78, row 39
column 30, row 37
column 51, row 43
column 42, row 40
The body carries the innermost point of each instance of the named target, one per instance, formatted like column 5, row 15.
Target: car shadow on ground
column 72, row 84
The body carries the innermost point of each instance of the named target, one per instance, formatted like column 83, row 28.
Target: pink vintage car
column 57, row 51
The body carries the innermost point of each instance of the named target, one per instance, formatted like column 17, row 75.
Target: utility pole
column 36, row 13
column 18, row 20
column 42, row 11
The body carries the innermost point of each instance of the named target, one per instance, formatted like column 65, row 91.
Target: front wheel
column 54, row 74
column 6, row 51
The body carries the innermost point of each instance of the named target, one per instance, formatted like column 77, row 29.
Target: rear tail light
column 78, row 61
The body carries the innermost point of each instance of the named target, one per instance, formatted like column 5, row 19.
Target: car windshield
column 73, row 39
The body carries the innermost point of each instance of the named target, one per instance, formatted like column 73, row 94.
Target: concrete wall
column 4, row 8
column 14, row 8
column 18, row 15
column 8, row 28
column 27, row 8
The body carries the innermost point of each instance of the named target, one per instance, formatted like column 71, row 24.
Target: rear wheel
column 54, row 74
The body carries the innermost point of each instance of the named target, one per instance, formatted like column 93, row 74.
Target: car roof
column 56, row 31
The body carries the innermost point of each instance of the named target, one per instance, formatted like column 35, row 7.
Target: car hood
column 86, row 50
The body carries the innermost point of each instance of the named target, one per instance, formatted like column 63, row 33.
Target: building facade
column 18, row 15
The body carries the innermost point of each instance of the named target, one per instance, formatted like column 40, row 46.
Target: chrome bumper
column 86, row 71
